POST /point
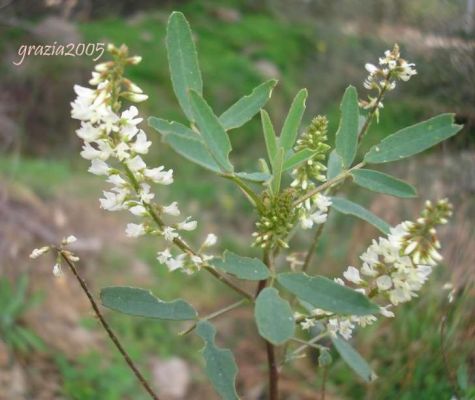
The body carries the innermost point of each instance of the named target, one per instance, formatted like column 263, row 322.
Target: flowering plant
column 295, row 188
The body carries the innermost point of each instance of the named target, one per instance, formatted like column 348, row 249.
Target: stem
column 182, row 245
column 108, row 329
column 310, row 343
column 216, row 314
column 273, row 372
column 270, row 350
column 312, row 248
column 328, row 183
column 250, row 194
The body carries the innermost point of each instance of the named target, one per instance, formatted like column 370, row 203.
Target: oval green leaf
column 220, row 367
column 274, row 317
column 142, row 303
column 346, row 140
column 326, row 294
column 354, row 359
column 297, row 158
column 269, row 136
column 413, row 139
column 334, row 165
column 292, row 122
column 214, row 136
column 345, row 206
column 183, row 61
column 383, row 183
column 256, row 177
column 247, row 268
column 248, row 106
column 185, row 142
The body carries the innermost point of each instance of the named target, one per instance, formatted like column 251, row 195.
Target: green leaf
column 221, row 367
column 142, row 303
column 345, row 206
column 185, row 142
column 183, row 61
column 212, row 132
column 274, row 317
column 165, row 127
column 413, row 139
column 242, row 267
column 269, row 136
column 291, row 126
column 382, row 183
column 277, row 171
column 256, row 177
column 354, row 359
column 326, row 294
column 334, row 166
column 297, row 158
column 248, row 106
column 346, row 140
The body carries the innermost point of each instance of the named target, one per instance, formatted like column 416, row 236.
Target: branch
column 108, row 329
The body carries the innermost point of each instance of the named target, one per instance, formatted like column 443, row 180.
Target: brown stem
column 313, row 246
column 273, row 372
column 108, row 329
column 270, row 350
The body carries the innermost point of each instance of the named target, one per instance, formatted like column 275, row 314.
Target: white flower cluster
column 57, row 271
column 383, row 78
column 115, row 144
column 314, row 211
column 394, row 269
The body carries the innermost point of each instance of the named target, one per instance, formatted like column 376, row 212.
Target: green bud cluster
column 314, row 138
column 276, row 219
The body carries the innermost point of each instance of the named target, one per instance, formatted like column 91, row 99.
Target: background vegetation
column 52, row 348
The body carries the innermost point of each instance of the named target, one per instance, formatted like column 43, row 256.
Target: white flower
column 352, row 275
column 145, row 195
column 136, row 164
column 88, row 132
column 385, row 312
column 158, row 175
column 68, row 240
column 117, row 180
column 371, row 68
column 141, row 143
column 210, row 240
column 307, row 323
column 122, row 151
column 99, row 167
column 164, row 256
column 384, row 282
column 113, row 201
column 57, row 272
column 39, row 252
column 135, row 230
column 129, row 122
column 172, row 209
column 90, row 153
column 175, row 263
column 169, row 233
column 187, row 225
column 138, row 210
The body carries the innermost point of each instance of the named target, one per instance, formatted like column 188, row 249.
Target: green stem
column 182, row 245
column 216, row 314
column 342, row 176
column 250, row 194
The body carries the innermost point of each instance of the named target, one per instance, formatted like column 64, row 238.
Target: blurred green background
column 51, row 346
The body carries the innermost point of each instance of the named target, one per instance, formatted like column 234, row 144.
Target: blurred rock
column 171, row 377
column 267, row 68
column 54, row 29
column 230, row 15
